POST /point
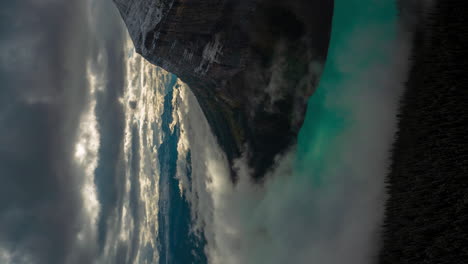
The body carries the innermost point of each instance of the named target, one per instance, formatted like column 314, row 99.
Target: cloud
column 325, row 205
column 39, row 204
column 129, row 190
column 50, row 60
column 65, row 176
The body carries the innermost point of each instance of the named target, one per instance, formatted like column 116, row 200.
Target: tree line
column 426, row 217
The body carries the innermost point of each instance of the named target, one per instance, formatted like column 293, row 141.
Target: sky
column 82, row 140
column 105, row 158
column 60, row 67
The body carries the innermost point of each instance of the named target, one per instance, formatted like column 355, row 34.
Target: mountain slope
column 252, row 64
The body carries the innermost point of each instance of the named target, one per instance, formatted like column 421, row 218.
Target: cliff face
column 252, row 64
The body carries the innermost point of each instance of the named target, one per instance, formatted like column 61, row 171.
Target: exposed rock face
column 252, row 64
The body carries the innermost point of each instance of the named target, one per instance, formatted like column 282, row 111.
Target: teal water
column 360, row 32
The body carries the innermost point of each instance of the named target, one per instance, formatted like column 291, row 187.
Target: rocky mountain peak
column 252, row 64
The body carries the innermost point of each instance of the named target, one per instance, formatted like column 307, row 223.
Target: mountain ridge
column 251, row 64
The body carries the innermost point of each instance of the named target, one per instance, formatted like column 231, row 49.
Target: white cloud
column 143, row 101
column 86, row 157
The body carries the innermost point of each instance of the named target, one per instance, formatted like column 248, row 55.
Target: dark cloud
column 110, row 173
column 37, row 208
column 45, row 46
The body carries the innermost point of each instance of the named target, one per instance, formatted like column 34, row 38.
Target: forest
column 427, row 212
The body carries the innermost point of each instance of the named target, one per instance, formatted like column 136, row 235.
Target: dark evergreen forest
column 427, row 211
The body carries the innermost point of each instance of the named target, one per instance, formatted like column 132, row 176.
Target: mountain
column 252, row 64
